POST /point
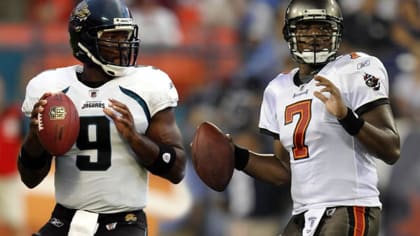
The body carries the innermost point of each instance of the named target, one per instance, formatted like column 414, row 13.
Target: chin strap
column 111, row 70
column 314, row 58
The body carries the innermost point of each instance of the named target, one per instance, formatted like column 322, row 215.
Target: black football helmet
column 307, row 12
column 89, row 20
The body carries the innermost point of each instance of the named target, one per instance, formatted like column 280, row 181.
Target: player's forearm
column 150, row 155
column 376, row 131
column 145, row 149
column 268, row 168
column 265, row 167
column 383, row 143
column 32, row 145
column 33, row 166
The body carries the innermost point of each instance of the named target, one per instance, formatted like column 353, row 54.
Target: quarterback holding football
column 127, row 128
column 330, row 118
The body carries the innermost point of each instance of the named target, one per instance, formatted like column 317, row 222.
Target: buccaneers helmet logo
column 371, row 81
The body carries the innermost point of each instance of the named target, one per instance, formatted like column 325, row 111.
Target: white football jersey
column 329, row 167
column 100, row 173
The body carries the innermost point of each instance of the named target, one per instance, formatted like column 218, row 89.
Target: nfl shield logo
column 93, row 93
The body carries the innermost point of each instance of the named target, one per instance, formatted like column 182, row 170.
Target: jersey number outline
column 94, row 134
column 303, row 109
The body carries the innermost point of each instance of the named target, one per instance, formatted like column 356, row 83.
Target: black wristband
column 351, row 123
column 241, row 157
column 164, row 162
column 33, row 163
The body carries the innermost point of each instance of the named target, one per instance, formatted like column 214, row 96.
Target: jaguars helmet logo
column 371, row 81
column 81, row 13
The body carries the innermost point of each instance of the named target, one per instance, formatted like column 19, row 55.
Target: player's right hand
column 122, row 117
column 38, row 108
column 334, row 102
column 32, row 143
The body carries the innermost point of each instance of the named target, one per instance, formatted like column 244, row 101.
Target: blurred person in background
column 367, row 22
column 13, row 11
column 406, row 27
column 50, row 11
column 218, row 13
column 248, row 206
column 402, row 198
column 12, row 204
column 262, row 51
column 406, row 89
column 207, row 216
column 254, row 207
column 406, row 35
column 159, row 26
column 375, row 26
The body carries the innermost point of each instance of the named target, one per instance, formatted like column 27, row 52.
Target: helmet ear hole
column 285, row 32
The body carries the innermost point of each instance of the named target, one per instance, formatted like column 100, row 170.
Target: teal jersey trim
column 139, row 100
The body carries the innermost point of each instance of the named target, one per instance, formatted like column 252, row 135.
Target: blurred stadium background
column 220, row 55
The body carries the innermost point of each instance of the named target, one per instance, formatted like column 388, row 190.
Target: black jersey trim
column 351, row 220
column 268, row 132
column 367, row 222
column 139, row 100
column 369, row 106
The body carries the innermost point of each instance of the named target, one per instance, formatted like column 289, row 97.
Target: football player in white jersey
column 127, row 128
column 330, row 118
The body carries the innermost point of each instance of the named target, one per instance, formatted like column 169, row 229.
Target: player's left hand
column 334, row 103
column 122, row 118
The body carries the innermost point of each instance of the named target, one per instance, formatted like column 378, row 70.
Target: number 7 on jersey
column 303, row 110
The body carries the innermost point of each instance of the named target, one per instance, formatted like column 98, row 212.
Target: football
column 212, row 156
column 59, row 124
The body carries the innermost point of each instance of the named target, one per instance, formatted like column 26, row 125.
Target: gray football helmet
column 312, row 11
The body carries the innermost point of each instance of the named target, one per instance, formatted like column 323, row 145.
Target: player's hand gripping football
column 33, row 143
column 38, row 108
column 334, row 103
column 122, row 118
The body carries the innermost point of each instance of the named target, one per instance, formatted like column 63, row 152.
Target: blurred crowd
column 221, row 54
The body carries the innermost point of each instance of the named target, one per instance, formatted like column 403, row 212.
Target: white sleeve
column 45, row 81
column 34, row 91
column 268, row 117
column 165, row 95
column 367, row 84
